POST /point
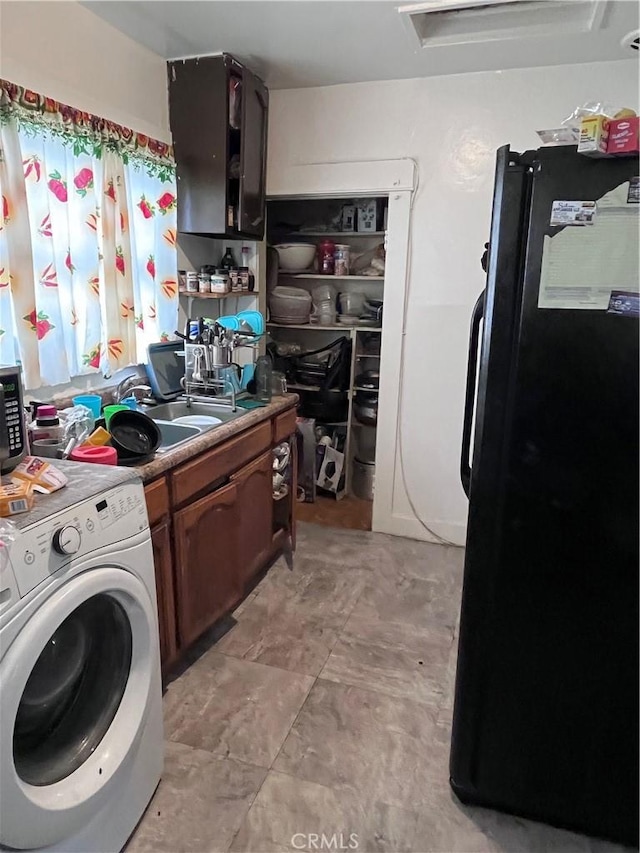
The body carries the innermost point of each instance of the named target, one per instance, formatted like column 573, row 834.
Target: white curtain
column 87, row 241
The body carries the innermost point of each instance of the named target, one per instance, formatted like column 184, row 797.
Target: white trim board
column 394, row 178
column 368, row 177
column 409, row 527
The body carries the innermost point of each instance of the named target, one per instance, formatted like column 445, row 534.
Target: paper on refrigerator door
column 581, row 266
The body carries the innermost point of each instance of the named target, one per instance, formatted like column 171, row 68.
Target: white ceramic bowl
column 295, row 257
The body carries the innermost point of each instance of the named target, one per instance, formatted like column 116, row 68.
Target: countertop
column 85, row 481
column 201, row 443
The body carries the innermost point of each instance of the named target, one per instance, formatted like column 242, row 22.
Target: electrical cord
column 442, row 540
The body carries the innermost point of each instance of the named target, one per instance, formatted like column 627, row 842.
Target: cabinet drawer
column 217, row 464
column 284, row 425
column 157, row 498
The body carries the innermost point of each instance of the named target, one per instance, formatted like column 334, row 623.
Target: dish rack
column 203, row 381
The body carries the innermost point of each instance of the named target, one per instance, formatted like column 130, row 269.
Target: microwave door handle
column 470, row 394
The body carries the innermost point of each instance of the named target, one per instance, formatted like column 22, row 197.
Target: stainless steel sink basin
column 179, row 409
column 174, row 434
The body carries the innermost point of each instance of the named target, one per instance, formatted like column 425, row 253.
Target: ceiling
column 293, row 44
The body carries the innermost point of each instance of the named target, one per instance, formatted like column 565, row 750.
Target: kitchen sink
column 202, row 417
column 174, row 434
column 179, row 409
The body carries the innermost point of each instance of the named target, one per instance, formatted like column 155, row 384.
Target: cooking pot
column 363, row 479
column 365, row 408
column 369, row 379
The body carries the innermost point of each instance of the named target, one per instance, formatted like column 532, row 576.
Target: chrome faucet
column 128, row 386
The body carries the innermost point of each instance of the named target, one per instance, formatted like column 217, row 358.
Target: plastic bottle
column 46, row 424
column 264, row 371
column 248, row 276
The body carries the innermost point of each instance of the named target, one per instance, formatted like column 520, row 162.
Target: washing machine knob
column 66, row 540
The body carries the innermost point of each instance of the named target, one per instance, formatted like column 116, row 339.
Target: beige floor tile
column 387, row 669
column 275, row 633
column 378, row 747
column 199, row 804
column 396, row 658
column 291, row 814
column 234, row 708
column 315, row 588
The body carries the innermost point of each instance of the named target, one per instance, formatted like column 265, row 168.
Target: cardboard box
column 593, row 136
column 369, row 215
column 624, row 135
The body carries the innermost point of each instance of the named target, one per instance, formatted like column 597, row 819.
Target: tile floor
column 324, row 706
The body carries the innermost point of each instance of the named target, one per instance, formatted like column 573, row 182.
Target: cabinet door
column 253, row 156
column 255, row 507
column 163, row 564
column 207, row 576
column 198, row 110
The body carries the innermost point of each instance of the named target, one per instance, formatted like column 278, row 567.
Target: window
column 87, row 240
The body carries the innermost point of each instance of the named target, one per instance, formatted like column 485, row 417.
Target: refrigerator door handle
column 470, row 394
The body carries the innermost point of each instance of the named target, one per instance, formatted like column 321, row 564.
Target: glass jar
column 243, row 279
column 234, row 279
column 220, row 281
column 341, row 259
column 204, row 283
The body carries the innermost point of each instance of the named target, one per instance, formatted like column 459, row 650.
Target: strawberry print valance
column 84, row 132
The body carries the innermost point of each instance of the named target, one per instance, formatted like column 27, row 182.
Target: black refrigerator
column 546, row 705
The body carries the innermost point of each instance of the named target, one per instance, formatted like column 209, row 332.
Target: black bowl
column 134, row 435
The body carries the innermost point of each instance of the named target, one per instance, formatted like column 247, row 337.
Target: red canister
column 326, row 259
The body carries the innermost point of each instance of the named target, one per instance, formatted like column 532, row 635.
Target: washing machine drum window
column 73, row 692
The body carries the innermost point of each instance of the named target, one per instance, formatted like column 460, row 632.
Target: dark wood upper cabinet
column 218, row 112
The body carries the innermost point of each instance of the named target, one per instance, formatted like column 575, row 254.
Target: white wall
column 451, row 126
column 61, row 49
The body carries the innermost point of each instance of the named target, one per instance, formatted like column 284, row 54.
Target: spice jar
column 243, row 278
column 220, row 281
column 326, row 262
column 204, row 283
column 192, row 282
column 234, row 279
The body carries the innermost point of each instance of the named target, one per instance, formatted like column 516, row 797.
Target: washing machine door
column 77, row 683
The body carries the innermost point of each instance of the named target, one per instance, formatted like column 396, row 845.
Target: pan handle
column 470, row 394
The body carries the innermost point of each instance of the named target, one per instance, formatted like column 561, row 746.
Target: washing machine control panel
column 49, row 546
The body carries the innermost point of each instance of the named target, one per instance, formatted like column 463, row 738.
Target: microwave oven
column 13, row 439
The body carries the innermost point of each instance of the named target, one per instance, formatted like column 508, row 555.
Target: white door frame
column 395, row 178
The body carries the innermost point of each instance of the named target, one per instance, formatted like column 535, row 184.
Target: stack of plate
column 290, row 305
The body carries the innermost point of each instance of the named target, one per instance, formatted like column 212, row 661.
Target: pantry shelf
column 345, row 234
column 342, row 328
column 232, row 293
column 331, row 277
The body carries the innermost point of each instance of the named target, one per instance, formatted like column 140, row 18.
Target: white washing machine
column 81, row 740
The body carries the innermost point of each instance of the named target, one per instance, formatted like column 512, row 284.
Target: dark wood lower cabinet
column 207, row 580
column 255, row 516
column 207, row 552
column 163, row 564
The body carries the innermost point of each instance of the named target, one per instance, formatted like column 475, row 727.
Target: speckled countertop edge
column 165, row 461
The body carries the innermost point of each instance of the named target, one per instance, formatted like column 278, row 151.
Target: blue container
column 93, row 402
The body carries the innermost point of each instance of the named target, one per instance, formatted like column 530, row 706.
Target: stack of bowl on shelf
column 290, row 306
column 295, row 257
